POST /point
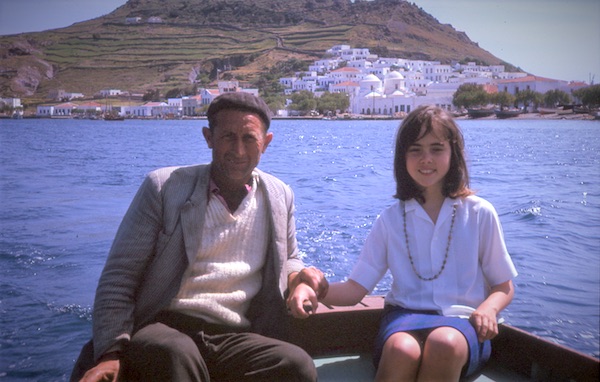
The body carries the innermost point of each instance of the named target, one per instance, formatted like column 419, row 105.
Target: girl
column 444, row 247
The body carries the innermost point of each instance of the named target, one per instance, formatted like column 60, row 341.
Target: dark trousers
column 181, row 348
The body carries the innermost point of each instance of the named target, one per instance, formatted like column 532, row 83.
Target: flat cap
column 239, row 101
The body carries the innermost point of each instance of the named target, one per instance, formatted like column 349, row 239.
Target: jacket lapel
column 193, row 214
column 278, row 236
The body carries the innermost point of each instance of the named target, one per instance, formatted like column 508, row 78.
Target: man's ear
column 207, row 136
column 268, row 139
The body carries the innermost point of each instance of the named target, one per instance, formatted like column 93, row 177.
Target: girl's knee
column 403, row 345
column 447, row 341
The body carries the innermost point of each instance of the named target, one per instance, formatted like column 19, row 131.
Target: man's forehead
column 235, row 120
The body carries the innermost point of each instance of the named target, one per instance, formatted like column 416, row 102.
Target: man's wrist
column 321, row 292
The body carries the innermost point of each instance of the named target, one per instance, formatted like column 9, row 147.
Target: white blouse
column 477, row 256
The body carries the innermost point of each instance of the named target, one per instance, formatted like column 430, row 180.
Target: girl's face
column 428, row 161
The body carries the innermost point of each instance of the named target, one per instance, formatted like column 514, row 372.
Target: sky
column 558, row 39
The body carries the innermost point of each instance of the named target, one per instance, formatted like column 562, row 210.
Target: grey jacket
column 158, row 237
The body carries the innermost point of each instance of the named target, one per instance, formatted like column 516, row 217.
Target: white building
column 11, row 102
column 191, row 105
column 110, row 93
column 60, row 110
column 537, row 84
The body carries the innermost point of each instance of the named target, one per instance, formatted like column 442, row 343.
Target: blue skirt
column 397, row 319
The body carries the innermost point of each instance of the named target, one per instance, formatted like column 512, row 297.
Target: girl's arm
column 484, row 318
column 345, row 293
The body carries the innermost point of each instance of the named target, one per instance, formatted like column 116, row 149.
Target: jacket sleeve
column 129, row 256
column 294, row 263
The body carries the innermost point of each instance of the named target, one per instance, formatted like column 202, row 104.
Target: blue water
column 65, row 184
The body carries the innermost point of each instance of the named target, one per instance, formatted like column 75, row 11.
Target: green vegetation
column 557, row 97
column 503, row 99
column 528, row 97
column 470, row 95
column 305, row 102
column 474, row 96
column 589, row 96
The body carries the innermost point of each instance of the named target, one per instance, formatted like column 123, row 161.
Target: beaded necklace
column 412, row 263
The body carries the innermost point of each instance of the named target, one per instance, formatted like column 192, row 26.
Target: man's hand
column 312, row 277
column 302, row 301
column 104, row 371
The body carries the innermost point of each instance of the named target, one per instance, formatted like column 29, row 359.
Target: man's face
column 237, row 140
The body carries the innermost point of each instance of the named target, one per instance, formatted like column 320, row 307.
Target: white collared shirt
column 477, row 257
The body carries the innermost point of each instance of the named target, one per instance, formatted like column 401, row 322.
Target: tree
column 303, row 102
column 332, row 102
column 553, row 98
column 151, row 95
column 589, row 96
column 275, row 102
column 503, row 99
column 470, row 95
column 528, row 97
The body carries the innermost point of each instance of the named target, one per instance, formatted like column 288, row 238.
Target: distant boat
column 581, row 110
column 503, row 114
column 480, row 113
column 113, row 117
column 547, row 110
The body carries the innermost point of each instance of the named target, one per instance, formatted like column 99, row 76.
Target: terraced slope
column 194, row 38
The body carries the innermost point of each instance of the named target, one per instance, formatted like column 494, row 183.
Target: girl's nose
column 425, row 157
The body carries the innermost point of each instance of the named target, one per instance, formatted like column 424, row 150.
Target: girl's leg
column 400, row 358
column 444, row 355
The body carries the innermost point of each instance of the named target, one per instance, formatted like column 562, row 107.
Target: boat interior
column 340, row 340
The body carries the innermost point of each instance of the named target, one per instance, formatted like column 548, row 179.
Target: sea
column 65, row 185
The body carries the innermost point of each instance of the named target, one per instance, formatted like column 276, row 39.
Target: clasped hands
column 306, row 288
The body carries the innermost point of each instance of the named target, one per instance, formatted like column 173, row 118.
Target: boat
column 581, row 110
column 548, row 110
column 507, row 113
column 459, row 113
column 113, row 117
column 480, row 113
column 340, row 340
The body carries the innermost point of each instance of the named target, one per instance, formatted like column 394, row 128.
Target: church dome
column 394, row 76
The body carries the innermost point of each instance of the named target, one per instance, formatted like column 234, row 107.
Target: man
column 194, row 285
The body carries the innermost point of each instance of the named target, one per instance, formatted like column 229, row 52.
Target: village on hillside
column 374, row 86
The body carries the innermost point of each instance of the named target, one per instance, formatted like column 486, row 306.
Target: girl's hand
column 484, row 318
column 485, row 324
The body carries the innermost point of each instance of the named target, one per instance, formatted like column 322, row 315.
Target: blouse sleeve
column 372, row 264
column 496, row 263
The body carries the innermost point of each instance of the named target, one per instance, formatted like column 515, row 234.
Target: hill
column 165, row 44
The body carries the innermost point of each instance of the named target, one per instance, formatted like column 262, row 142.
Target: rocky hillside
column 164, row 44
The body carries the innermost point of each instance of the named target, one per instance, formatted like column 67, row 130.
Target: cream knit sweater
column 226, row 275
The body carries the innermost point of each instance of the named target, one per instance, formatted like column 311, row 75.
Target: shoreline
column 347, row 117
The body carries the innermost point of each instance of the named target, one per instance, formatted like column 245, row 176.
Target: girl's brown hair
column 420, row 122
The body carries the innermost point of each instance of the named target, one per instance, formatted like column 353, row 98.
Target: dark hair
column 420, row 122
